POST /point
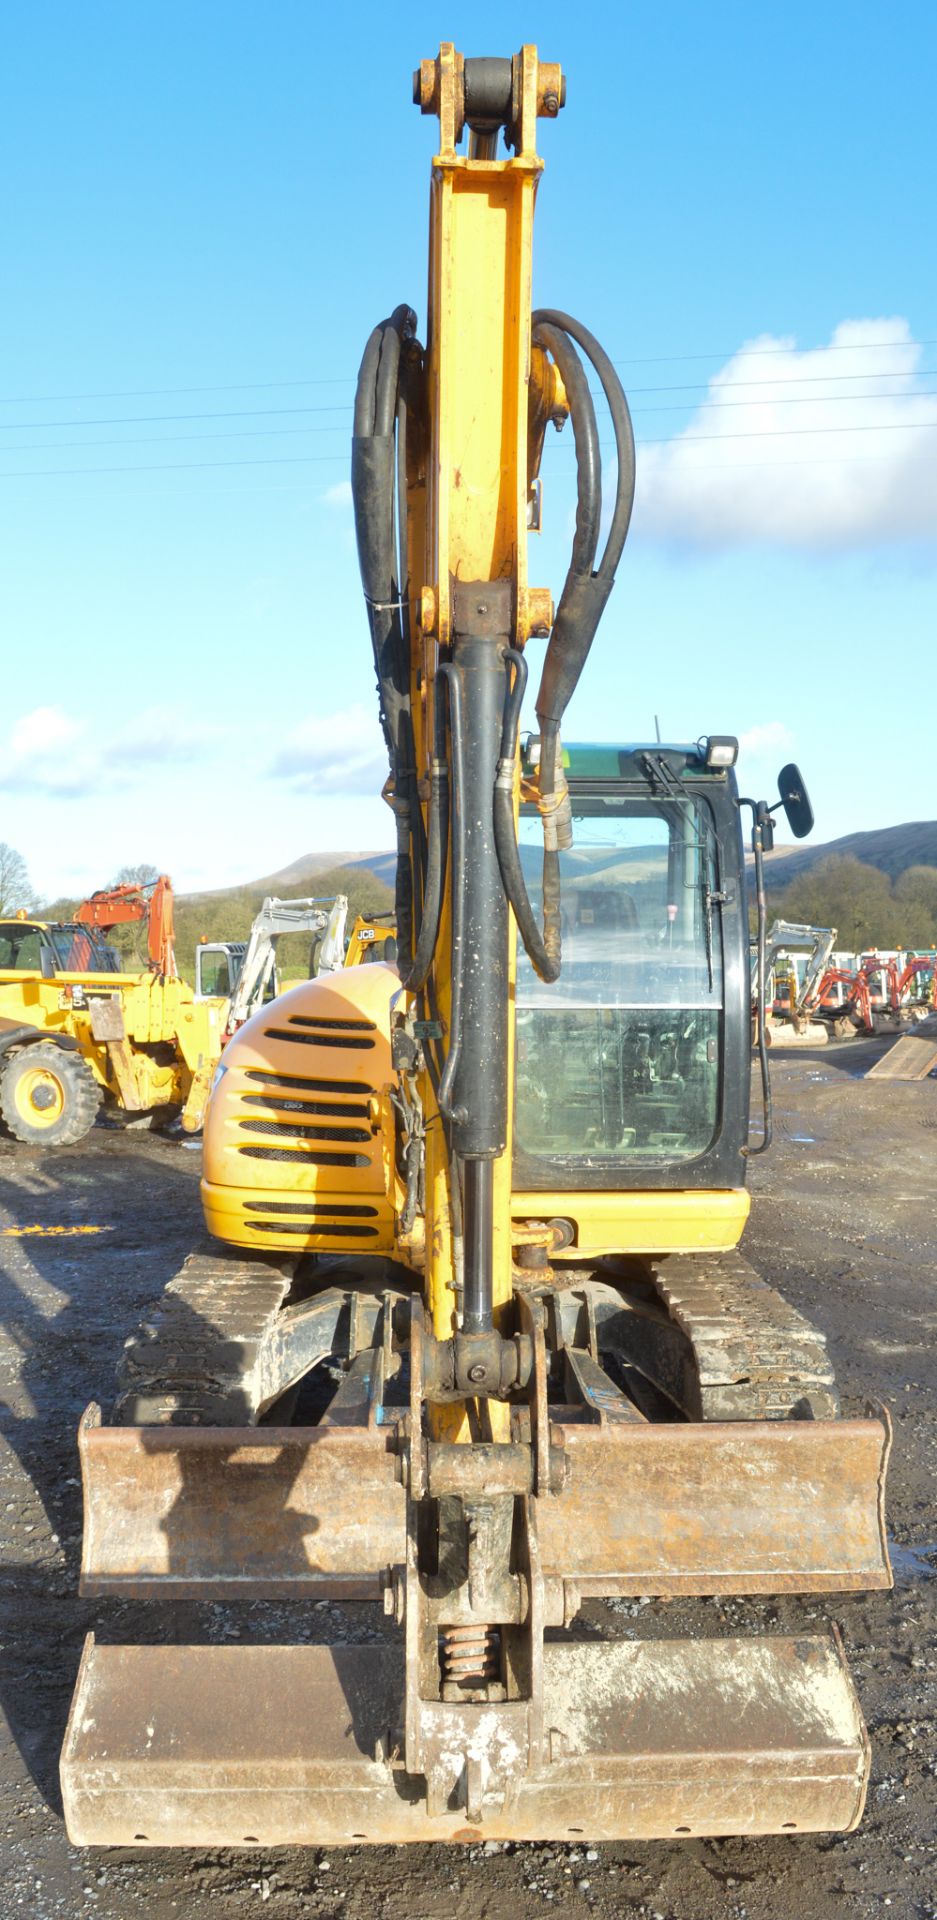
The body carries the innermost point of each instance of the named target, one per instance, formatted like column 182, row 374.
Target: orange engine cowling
column 299, row 1134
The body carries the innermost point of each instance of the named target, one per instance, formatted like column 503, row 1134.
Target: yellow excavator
column 474, row 1339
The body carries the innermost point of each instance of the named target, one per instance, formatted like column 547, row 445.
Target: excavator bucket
column 280, row 1746
column 307, row 1744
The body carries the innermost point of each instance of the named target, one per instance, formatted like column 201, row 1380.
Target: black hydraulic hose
column 547, row 966
column 621, row 421
column 586, row 436
column 582, row 602
column 364, row 391
column 578, row 615
column 584, row 596
column 373, row 488
column 457, row 816
column 414, row 977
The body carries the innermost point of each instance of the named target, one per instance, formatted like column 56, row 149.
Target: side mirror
column 795, row 801
column 47, row 963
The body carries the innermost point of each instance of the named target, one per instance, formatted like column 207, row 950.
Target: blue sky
column 206, row 208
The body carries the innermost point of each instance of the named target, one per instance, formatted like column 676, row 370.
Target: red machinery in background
column 884, row 1010
column 149, row 900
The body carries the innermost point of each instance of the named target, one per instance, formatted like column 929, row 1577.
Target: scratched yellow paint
column 17, row 1233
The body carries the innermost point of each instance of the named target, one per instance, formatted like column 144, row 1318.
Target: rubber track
column 756, row 1356
column 192, row 1361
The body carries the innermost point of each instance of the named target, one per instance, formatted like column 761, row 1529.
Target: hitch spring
column 470, row 1656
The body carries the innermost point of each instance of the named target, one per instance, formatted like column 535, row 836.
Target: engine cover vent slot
column 330, row 1110
column 309, row 1207
column 309, row 1156
column 291, row 1130
column 345, row 1026
column 298, row 1039
column 329, row 1229
column 301, row 1084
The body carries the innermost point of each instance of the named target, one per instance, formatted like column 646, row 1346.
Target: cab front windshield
column 618, row 1061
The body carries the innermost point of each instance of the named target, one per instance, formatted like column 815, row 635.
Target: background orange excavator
column 151, row 901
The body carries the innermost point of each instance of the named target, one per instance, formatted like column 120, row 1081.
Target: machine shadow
column 67, row 1301
column 850, row 1057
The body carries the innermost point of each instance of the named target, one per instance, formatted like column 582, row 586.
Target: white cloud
column 50, row 751
column 46, row 753
column 791, row 449
column 763, row 750
column 158, row 734
column 335, row 753
column 771, row 736
column 339, row 495
column 45, row 730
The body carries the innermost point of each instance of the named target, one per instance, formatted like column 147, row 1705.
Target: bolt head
column 476, row 1374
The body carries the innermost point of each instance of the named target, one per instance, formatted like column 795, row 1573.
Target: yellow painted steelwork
column 477, row 490
column 170, row 1042
column 299, row 1134
column 489, row 399
column 31, row 1085
column 367, row 939
column 283, row 1163
column 680, row 1221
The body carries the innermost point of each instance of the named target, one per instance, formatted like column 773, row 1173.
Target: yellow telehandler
column 76, row 1031
column 490, row 1200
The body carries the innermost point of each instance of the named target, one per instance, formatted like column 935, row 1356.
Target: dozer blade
column 239, row 1512
column 814, row 1034
column 739, row 1507
column 278, row 1746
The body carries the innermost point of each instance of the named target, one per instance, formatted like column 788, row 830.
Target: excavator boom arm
column 152, row 902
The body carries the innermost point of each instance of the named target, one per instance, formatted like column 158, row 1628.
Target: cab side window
column 214, row 975
column 20, row 949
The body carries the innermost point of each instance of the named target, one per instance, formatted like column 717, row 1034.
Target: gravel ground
column 843, row 1222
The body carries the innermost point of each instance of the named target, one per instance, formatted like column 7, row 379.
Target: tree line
column 862, row 903
column 212, row 916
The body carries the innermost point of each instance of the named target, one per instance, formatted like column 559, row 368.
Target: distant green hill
column 891, row 849
column 227, row 914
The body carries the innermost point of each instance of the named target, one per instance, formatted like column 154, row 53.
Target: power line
column 757, row 353
column 785, row 433
column 145, row 419
column 797, row 400
column 237, row 413
column 172, row 439
column 149, row 393
column 796, row 380
column 176, row 466
column 313, row 459
column 336, row 380
column 271, row 433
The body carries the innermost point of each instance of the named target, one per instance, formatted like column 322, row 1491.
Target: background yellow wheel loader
column 75, row 1031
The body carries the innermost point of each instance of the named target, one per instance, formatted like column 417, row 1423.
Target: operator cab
column 624, row 1062
column 30, row 946
column 218, row 968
